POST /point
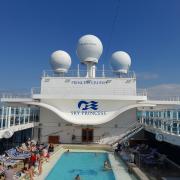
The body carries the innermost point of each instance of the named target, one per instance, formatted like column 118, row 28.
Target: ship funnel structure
column 120, row 62
column 89, row 50
column 60, row 61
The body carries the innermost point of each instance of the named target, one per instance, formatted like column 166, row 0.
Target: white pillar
column 14, row 116
column 6, row 118
column 9, row 117
column 103, row 74
column 78, row 73
column 19, row 113
column 2, row 117
column 29, row 114
column 24, row 115
column 91, row 70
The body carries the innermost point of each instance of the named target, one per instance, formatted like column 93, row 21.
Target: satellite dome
column 60, row 61
column 89, row 49
column 120, row 62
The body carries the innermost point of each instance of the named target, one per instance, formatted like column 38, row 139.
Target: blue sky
column 31, row 30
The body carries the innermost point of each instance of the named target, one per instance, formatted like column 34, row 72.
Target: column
column 2, row 117
column 29, row 112
column 14, row 116
column 6, row 118
column 19, row 113
column 9, row 117
column 24, row 115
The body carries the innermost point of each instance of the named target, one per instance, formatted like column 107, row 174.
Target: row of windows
column 16, row 116
column 17, row 111
column 161, row 114
column 168, row 126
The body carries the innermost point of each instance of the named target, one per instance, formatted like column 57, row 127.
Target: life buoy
column 159, row 137
column 8, row 134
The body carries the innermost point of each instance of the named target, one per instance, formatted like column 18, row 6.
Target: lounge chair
column 14, row 154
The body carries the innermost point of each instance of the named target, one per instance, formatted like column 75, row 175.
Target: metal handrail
column 164, row 98
column 79, row 139
column 83, row 73
column 129, row 131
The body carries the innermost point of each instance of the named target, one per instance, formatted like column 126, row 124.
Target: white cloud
column 164, row 90
column 147, row 75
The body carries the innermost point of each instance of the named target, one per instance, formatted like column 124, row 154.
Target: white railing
column 165, row 125
column 83, row 73
column 141, row 92
column 164, row 98
column 16, row 95
column 93, row 91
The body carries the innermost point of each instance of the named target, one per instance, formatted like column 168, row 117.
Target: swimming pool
column 88, row 165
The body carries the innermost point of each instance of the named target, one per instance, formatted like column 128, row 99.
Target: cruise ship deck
column 100, row 107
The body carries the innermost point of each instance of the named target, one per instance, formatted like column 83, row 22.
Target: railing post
column 78, row 74
column 2, row 117
column 103, row 74
column 9, row 116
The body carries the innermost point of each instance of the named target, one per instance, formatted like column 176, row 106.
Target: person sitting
column 77, row 177
column 33, row 148
column 51, row 148
column 107, row 165
column 45, row 154
column 28, row 142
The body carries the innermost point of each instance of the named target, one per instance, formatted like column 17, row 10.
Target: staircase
column 131, row 131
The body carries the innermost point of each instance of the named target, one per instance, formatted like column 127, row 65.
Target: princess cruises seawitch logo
column 88, row 108
column 84, row 105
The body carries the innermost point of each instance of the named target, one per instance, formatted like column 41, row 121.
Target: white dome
column 120, row 61
column 60, row 61
column 89, row 49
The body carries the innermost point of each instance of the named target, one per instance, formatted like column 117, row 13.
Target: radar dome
column 89, row 49
column 60, row 61
column 120, row 62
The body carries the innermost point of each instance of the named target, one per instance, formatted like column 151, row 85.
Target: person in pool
column 107, row 165
column 67, row 151
column 77, row 177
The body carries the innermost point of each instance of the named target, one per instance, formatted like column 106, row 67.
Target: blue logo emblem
column 84, row 105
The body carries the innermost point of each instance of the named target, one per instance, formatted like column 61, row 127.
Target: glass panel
column 16, row 120
column 21, row 120
column 174, row 115
column 168, row 114
column 151, row 114
column 26, row 119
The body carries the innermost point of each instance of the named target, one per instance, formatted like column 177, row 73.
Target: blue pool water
column 88, row 165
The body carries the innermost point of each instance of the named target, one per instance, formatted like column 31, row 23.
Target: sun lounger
column 14, row 154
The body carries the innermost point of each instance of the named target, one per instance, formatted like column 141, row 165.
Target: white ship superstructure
column 92, row 106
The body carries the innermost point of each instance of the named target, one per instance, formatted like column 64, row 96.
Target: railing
column 78, row 139
column 165, row 125
column 16, row 95
column 164, row 98
column 78, row 91
column 136, row 127
column 83, row 73
column 141, row 92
